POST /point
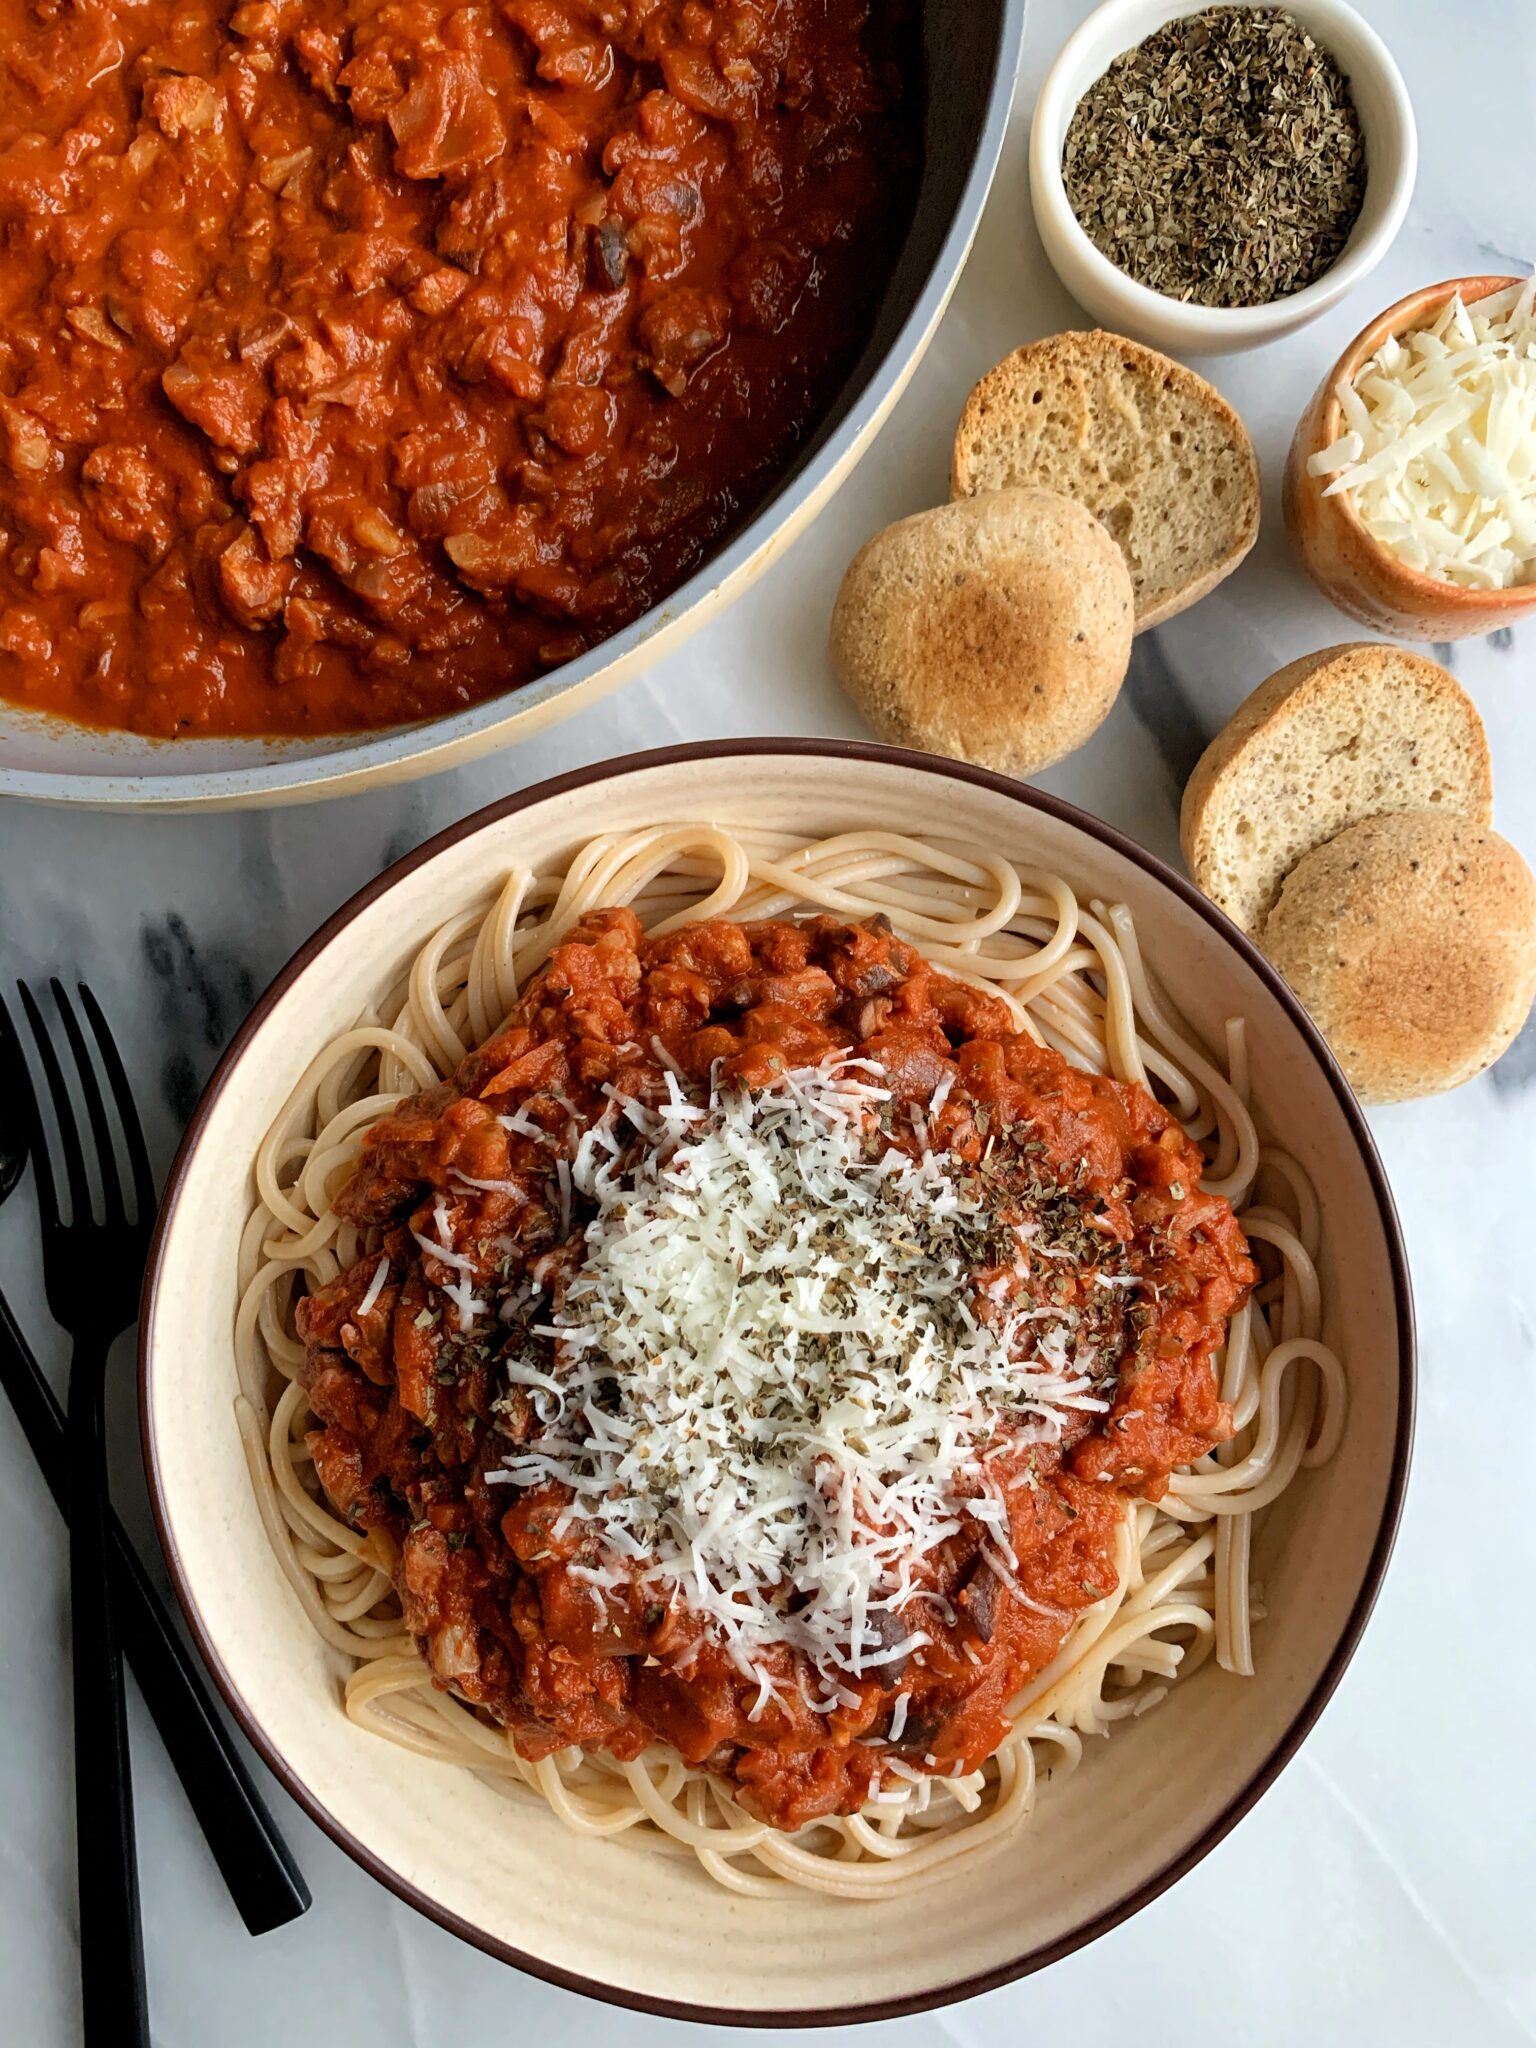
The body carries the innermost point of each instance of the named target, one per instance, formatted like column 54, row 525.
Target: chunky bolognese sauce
column 486, row 1386
column 360, row 362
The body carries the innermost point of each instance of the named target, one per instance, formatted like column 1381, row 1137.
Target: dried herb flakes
column 1221, row 161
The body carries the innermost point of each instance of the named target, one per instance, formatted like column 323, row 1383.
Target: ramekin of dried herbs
column 1210, row 178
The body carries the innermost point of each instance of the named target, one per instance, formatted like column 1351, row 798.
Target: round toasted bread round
column 1338, row 736
column 1154, row 452
column 995, row 629
column 1411, row 938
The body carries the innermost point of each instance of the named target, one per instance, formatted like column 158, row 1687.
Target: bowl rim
column 1343, row 1650
column 343, row 764
column 1412, row 310
column 1101, row 38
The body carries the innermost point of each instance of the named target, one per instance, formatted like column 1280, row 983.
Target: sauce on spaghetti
column 363, row 361
column 513, row 1597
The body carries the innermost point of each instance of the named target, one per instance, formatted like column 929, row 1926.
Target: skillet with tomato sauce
column 362, row 362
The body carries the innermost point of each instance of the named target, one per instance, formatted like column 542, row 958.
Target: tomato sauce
column 360, row 362
column 410, row 1419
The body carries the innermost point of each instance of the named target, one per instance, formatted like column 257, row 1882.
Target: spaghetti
column 1071, row 977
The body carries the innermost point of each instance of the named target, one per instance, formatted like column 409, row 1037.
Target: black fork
column 93, row 1263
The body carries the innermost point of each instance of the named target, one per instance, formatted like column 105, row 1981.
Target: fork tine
column 16, row 1081
column 13, row 1065
column 114, row 1209
column 127, row 1109
column 64, row 1116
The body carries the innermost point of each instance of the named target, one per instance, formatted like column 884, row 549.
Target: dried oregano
column 1221, row 161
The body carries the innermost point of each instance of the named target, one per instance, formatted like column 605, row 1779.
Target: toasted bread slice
column 1155, row 453
column 1331, row 739
column 996, row 629
column 1411, row 938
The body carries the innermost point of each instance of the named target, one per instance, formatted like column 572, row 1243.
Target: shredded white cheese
column 375, row 1287
column 775, row 1381
column 1438, row 451
column 525, row 1127
column 468, row 1306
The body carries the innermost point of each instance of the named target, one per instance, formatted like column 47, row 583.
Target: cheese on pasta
column 778, row 1380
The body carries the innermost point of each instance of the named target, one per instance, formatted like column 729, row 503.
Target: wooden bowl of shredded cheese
column 1410, row 491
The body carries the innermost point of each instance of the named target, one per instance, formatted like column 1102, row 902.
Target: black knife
column 255, row 1862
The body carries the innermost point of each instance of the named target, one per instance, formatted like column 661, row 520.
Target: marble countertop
column 1384, row 1889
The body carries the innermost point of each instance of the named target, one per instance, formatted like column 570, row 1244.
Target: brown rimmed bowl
column 651, row 1931
column 1363, row 578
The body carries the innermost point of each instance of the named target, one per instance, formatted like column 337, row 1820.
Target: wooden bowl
column 1362, row 577
column 649, row 1930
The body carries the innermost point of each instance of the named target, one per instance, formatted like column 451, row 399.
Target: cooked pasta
column 1072, row 977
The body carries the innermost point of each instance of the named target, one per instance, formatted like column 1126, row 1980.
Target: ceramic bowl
column 1117, row 301
column 972, row 56
column 1362, row 577
column 652, row 1931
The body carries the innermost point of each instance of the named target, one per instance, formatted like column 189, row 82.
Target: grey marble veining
column 1382, row 1891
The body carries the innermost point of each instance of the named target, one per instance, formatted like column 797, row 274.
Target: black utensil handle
column 113, row 1995
column 255, row 1862
column 36, row 1407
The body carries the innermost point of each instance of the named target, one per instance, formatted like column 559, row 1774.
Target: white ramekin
column 1117, row 301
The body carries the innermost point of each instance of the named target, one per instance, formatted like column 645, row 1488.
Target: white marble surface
column 1386, row 1888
